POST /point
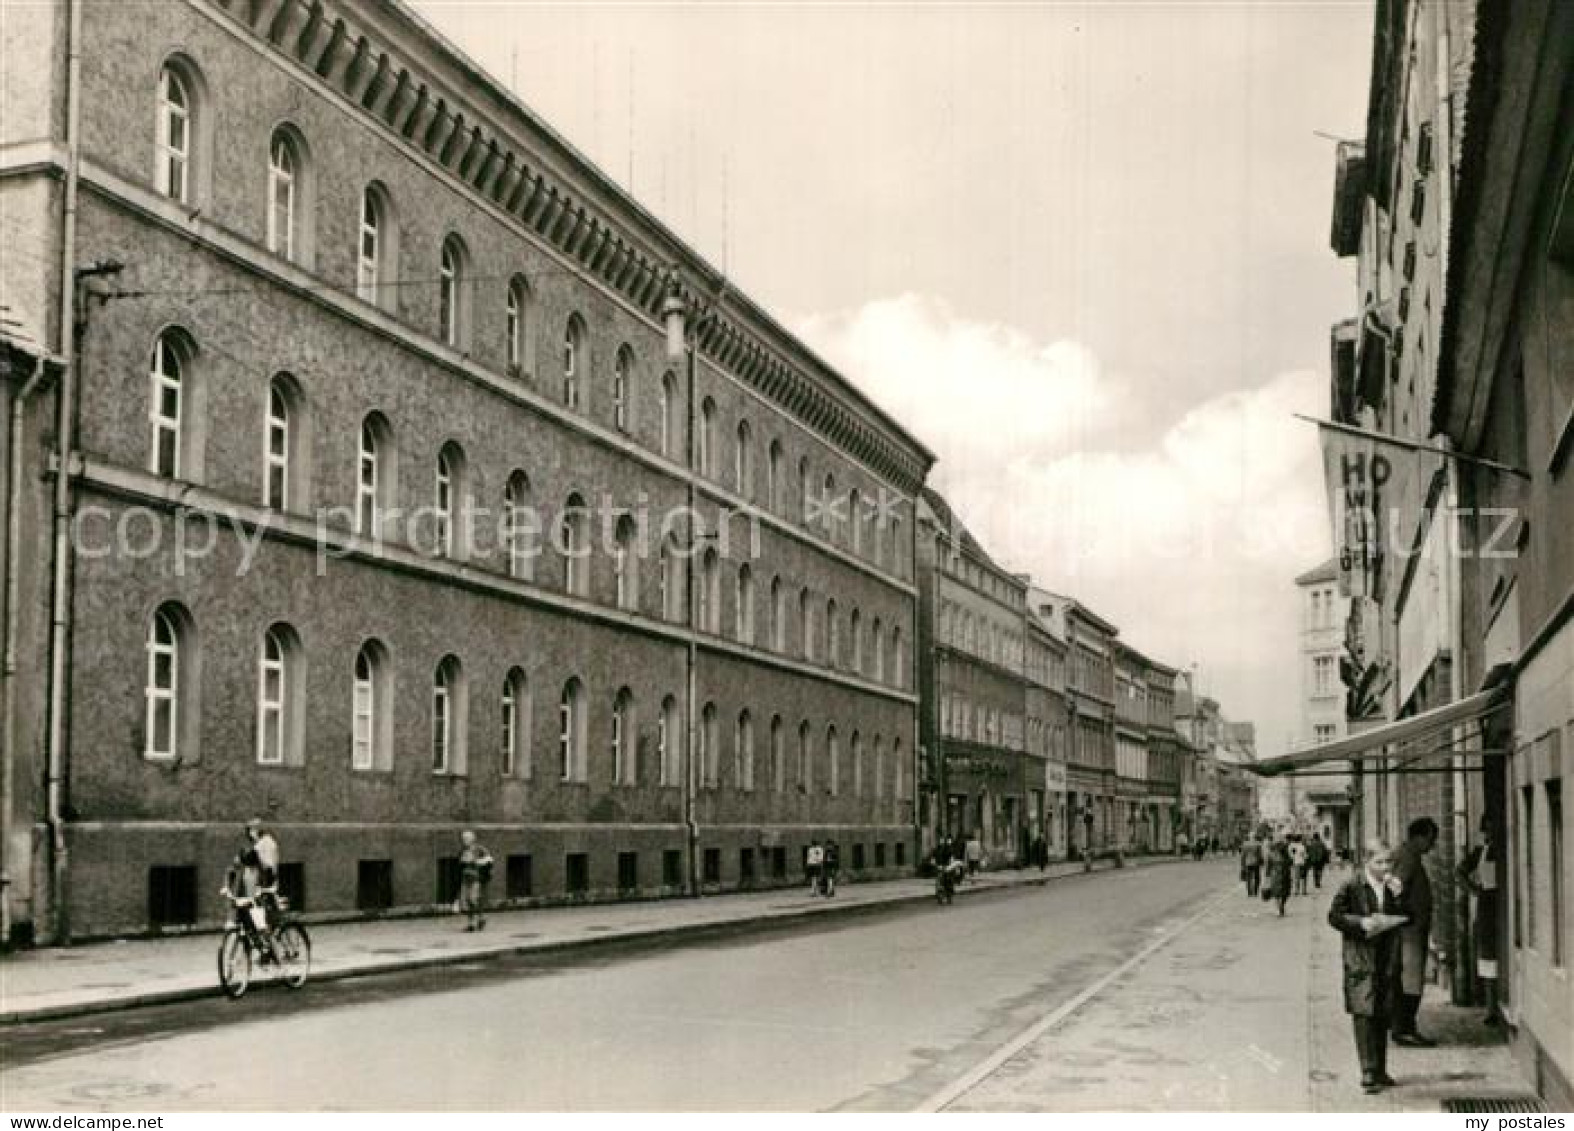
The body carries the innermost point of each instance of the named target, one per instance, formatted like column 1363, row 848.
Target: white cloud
column 1190, row 543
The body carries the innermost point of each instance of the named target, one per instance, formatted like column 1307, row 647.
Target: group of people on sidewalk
column 1384, row 912
column 1279, row 868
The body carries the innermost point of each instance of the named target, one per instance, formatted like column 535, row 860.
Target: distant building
column 1320, row 801
column 979, row 776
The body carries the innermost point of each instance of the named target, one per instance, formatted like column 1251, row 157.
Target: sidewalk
column 65, row 981
column 1240, row 1011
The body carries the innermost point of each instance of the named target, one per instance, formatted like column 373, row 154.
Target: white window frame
column 363, row 709
column 163, row 641
column 620, row 390
column 442, row 719
column 448, row 277
column 276, row 450
column 283, row 179
column 368, row 521
column 368, row 267
column 272, row 671
column 510, row 710
column 175, row 107
column 166, row 375
column 443, row 504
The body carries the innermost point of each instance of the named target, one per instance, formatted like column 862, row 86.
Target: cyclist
column 256, row 867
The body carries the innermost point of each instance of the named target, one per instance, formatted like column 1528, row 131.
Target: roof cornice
column 385, row 59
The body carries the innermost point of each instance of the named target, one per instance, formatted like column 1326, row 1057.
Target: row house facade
column 1505, row 393
column 1458, row 207
column 406, row 476
column 1394, row 502
column 1049, row 719
column 1091, row 785
column 981, row 778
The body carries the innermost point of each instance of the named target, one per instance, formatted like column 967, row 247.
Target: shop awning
column 1373, row 743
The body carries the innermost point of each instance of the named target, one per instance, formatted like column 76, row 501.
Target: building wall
column 245, row 315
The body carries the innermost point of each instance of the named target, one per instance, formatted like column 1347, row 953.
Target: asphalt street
column 879, row 1011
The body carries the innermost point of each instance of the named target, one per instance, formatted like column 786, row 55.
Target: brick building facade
column 389, row 509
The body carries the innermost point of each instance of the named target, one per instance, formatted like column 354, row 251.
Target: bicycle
column 286, row 946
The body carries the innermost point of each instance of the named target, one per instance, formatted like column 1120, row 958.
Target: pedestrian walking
column 475, row 873
column 1251, row 866
column 813, row 864
column 833, row 863
column 1298, row 864
column 1276, row 885
column 1478, row 872
column 1360, row 912
column 975, row 854
column 1317, row 859
column 1415, row 903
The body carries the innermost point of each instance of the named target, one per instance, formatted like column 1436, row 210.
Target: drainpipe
column 58, row 929
column 13, row 506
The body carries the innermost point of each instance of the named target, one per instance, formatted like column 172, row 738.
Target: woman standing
column 1478, row 872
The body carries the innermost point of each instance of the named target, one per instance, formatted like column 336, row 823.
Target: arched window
column 805, row 759
column 177, row 110
column 806, row 623
column 806, row 503
column 898, row 551
column 374, row 480
column 778, row 756
column 668, row 759
column 855, row 636
column 898, row 659
column 670, row 569
column 708, row 609
column 877, row 649
column 877, row 747
column 515, row 760
column 625, row 564
column 448, row 490
column 705, row 440
column 575, row 360
column 833, row 634
column 898, row 775
column 574, row 545
column 743, row 459
column 856, row 749
column 276, row 449
column 622, row 386
column 671, row 425
column 855, row 519
column 448, row 717
column 280, row 690
column 283, row 166
column 518, row 323
column 168, row 394
column 708, row 755
column 625, row 770
column 171, row 711
column 877, row 520
column 371, row 710
column 773, row 478
column 743, row 753
column 828, row 507
column 745, row 604
column 375, row 249
column 778, row 615
column 519, row 528
column 571, row 731
column 452, row 293
column 833, row 760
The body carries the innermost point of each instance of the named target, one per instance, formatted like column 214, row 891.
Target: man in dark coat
column 1371, row 961
column 1415, row 901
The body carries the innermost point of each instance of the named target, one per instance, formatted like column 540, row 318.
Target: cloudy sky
column 1080, row 249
